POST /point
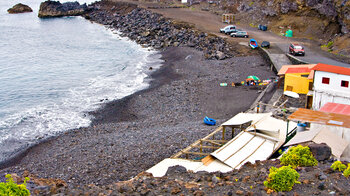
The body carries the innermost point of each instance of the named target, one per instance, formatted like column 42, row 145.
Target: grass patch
column 252, row 25
column 328, row 45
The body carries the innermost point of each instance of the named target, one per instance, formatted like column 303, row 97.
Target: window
column 305, row 75
column 325, row 80
column 344, row 83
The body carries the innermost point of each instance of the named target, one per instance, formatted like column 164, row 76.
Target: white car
column 228, row 29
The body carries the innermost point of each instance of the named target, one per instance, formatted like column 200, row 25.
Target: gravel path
column 129, row 136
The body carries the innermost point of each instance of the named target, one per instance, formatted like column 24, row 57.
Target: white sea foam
column 57, row 92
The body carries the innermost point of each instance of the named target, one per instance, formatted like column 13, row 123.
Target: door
column 309, row 101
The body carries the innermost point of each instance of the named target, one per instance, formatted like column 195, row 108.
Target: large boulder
column 57, row 9
column 19, row 8
column 321, row 152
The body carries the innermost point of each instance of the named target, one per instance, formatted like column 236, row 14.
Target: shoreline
column 132, row 134
column 19, row 155
column 153, row 124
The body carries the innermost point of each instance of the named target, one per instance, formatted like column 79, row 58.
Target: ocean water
column 54, row 71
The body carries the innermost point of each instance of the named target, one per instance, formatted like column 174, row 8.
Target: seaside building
column 330, row 84
column 296, row 78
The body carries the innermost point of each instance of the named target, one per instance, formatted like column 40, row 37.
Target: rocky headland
column 19, row 8
column 56, row 9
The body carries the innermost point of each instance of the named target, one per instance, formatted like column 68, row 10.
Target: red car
column 296, row 49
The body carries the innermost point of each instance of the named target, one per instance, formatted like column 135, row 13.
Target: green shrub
column 10, row 188
column 346, row 172
column 299, row 156
column 252, row 25
column 330, row 44
column 251, row 3
column 338, row 165
column 282, row 179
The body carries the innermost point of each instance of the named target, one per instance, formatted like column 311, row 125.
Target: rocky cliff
column 57, row 9
column 326, row 13
column 19, row 8
column 326, row 21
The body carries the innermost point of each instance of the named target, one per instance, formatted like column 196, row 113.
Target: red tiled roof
column 285, row 68
column 332, row 69
column 298, row 70
column 336, row 108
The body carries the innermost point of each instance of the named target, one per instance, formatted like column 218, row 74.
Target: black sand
column 131, row 135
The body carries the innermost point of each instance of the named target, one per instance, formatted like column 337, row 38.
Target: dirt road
column 211, row 23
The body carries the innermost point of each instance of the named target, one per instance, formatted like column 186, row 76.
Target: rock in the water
column 321, row 152
column 57, row 9
column 19, row 8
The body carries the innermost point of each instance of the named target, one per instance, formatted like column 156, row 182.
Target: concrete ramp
column 278, row 60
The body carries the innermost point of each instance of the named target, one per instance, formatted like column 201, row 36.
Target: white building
column 331, row 84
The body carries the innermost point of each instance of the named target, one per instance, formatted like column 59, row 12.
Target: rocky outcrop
column 321, row 152
column 57, row 9
column 330, row 11
column 153, row 30
column 19, row 8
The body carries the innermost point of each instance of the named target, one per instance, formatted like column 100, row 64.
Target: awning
column 319, row 117
column 272, row 126
column 242, row 118
column 246, row 146
column 336, row 143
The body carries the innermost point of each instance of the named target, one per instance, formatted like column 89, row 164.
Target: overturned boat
column 253, row 43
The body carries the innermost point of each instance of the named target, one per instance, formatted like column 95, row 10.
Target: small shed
column 228, row 18
column 183, row 1
column 296, row 78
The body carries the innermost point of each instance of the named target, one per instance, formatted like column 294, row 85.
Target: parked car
column 262, row 27
column 265, row 44
column 296, row 49
column 242, row 34
column 234, row 32
column 228, row 29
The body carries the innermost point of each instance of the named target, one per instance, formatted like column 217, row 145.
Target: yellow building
column 296, row 78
